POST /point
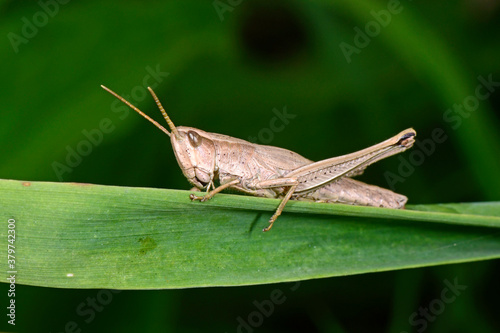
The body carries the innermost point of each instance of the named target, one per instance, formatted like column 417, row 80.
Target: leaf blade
column 143, row 238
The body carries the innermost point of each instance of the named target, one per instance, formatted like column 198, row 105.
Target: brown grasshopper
column 273, row 172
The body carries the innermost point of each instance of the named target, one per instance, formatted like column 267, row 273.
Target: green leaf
column 93, row 236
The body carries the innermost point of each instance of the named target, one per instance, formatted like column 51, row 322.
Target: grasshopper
column 266, row 171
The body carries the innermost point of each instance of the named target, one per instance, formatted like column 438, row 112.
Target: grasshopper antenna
column 164, row 113
column 142, row 113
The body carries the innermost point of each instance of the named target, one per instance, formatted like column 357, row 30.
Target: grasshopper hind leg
column 280, row 208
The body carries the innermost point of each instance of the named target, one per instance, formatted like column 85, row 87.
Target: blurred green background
column 224, row 66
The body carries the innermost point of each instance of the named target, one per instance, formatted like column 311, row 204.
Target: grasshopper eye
column 194, row 139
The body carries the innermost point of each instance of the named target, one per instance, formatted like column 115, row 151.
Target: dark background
column 229, row 65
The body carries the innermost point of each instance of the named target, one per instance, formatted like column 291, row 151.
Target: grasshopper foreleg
column 211, row 194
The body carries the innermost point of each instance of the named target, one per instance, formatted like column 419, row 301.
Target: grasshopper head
column 195, row 153
column 193, row 148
